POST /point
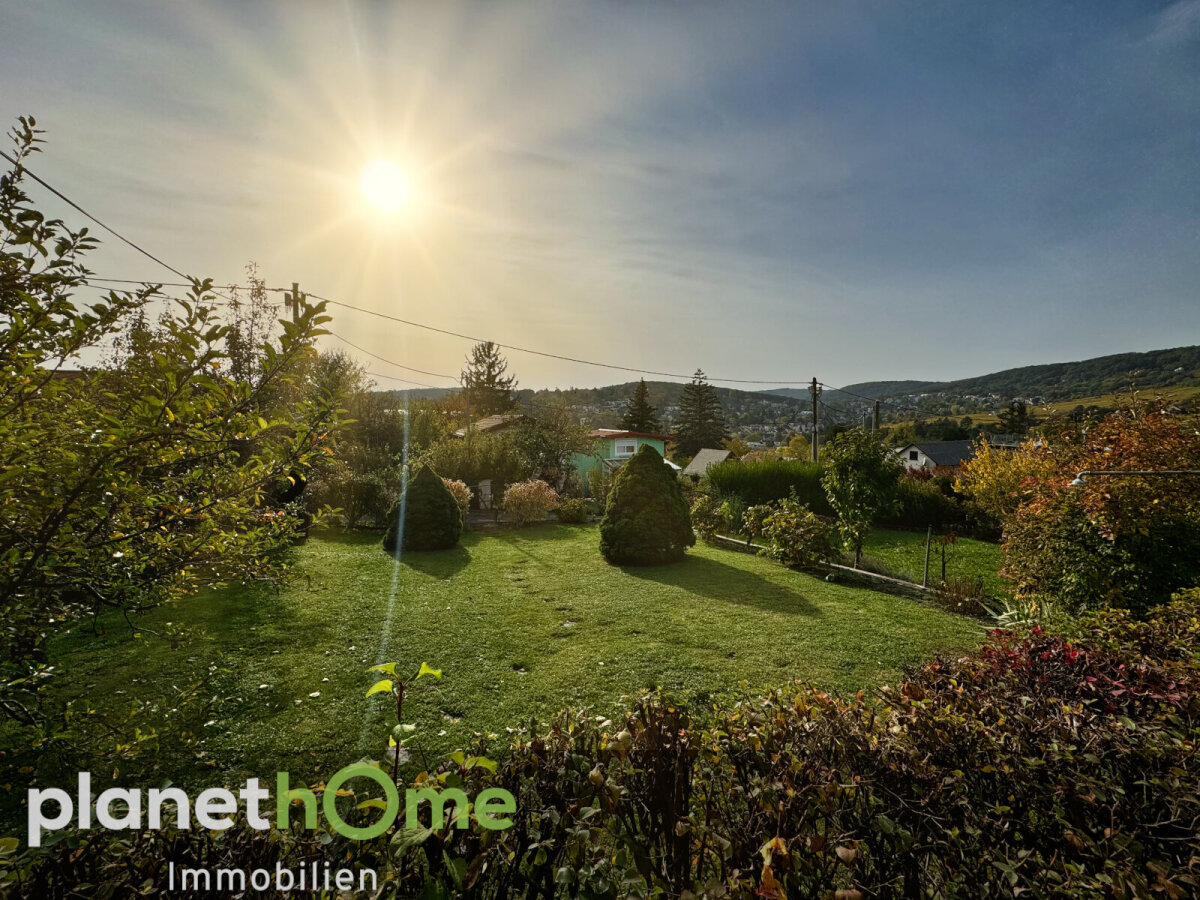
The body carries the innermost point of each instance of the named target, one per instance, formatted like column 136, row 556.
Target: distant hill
column 1041, row 384
column 1089, row 377
column 1049, row 383
column 878, row 389
column 872, row 389
column 741, row 407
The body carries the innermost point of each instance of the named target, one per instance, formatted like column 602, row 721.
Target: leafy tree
column 427, row 516
column 861, row 475
column 364, row 478
column 646, row 520
column 253, row 321
column 546, row 443
column 640, row 414
column 1122, row 540
column 488, row 389
column 701, row 420
column 999, row 481
column 124, row 488
column 736, row 446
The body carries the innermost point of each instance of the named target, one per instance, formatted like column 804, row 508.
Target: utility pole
column 294, row 300
column 875, row 423
column 815, row 392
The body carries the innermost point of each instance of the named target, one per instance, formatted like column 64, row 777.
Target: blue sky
column 770, row 191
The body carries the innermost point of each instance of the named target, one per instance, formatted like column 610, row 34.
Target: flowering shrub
column 529, row 501
column 462, row 494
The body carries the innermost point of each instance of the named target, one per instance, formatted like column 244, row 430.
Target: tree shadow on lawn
column 440, row 564
column 718, row 581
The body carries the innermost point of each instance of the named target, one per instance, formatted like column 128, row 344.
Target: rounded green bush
column 646, row 521
column 573, row 511
column 432, row 519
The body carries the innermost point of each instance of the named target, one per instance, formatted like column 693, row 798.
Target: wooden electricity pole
column 294, row 300
column 875, row 421
column 815, row 392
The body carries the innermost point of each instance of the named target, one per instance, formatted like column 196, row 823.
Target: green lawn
column 522, row 623
column 903, row 553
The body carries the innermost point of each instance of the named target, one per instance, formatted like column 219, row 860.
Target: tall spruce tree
column 701, row 419
column 488, row 389
column 640, row 414
column 646, row 521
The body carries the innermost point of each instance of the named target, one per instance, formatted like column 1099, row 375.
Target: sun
column 384, row 185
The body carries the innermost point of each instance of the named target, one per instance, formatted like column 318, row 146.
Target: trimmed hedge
column 769, row 480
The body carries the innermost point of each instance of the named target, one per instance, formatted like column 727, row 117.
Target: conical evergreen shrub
column 646, row 521
column 432, row 520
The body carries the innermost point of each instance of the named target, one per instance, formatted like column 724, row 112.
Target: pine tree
column 639, row 411
column 646, row 521
column 427, row 517
column 701, row 419
column 488, row 390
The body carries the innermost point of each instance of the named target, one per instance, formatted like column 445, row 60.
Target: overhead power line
column 844, row 391
column 453, row 378
column 61, row 196
column 405, row 380
column 543, row 353
column 188, row 283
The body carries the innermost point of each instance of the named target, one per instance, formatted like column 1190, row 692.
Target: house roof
column 614, row 464
column 944, row 453
column 619, row 433
column 704, row 459
column 491, row 423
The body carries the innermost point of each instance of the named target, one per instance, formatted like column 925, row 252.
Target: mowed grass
column 522, row 623
column 903, row 553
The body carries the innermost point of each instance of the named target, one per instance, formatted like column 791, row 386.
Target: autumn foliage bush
column 1114, row 540
column 529, row 501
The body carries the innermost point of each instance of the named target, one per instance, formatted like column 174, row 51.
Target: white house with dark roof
column 934, row 455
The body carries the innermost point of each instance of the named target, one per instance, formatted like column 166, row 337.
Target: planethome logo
column 120, row 809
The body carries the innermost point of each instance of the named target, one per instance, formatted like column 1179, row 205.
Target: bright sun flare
column 384, row 185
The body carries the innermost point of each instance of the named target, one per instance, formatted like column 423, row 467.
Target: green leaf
column 373, row 803
column 483, row 762
column 426, row 669
column 457, row 867
column 384, row 668
column 380, row 686
column 410, row 837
